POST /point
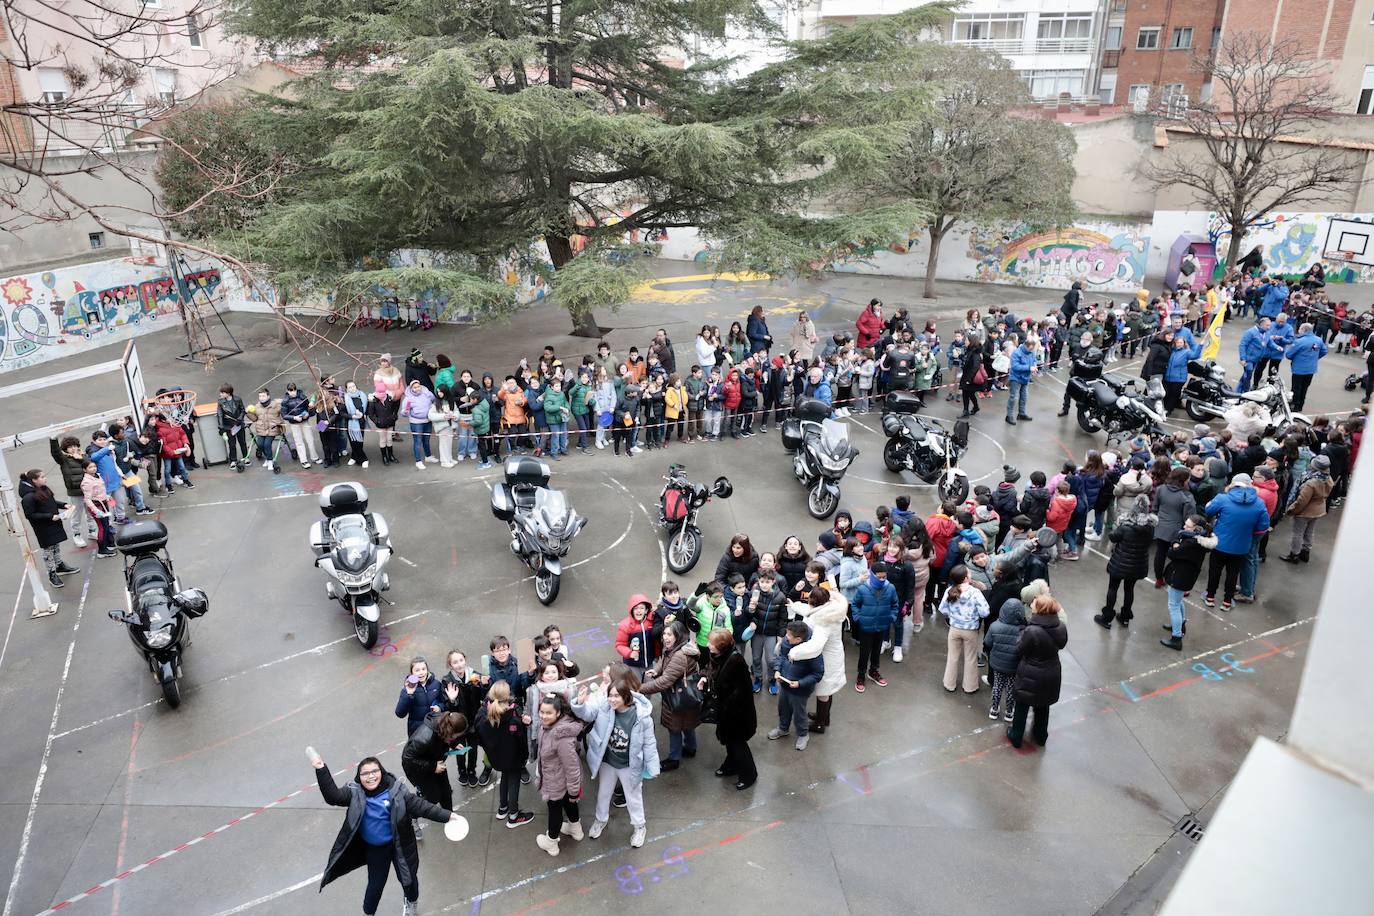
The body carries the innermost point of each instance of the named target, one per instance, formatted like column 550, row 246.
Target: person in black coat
column 423, row 756
column 1157, row 355
column 731, row 687
column 44, row 512
column 1038, row 674
column 739, row 558
column 1189, row 549
column 377, row 831
column 1130, row 559
column 974, row 362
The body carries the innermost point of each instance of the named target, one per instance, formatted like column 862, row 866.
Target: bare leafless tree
column 1256, row 146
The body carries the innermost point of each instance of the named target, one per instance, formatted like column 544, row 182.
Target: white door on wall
column 1106, row 88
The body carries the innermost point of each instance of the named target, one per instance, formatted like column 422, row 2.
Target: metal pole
column 43, row 605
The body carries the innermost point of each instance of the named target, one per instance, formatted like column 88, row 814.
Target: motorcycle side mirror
column 119, row 617
column 722, row 488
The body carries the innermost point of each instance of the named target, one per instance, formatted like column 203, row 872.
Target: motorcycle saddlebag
column 791, row 434
column 138, row 538
column 1078, row 388
column 502, row 502
column 674, row 505
column 901, row 402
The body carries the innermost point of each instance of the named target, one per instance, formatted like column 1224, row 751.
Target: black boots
column 388, row 454
column 1173, row 642
column 1104, row 620
column 820, row 719
column 1305, row 556
column 55, row 580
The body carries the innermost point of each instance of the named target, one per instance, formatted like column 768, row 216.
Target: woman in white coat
column 620, row 746
column 706, row 350
column 802, row 337
column 825, row 613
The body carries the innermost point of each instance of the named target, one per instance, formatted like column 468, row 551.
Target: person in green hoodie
column 580, row 400
column 556, row 414
column 709, row 612
column 481, row 428
column 445, row 377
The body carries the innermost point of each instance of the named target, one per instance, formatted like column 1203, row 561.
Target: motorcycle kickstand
column 389, row 602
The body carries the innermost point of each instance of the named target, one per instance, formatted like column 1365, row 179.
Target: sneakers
column 105, row 554
column 886, row 645
column 485, row 779
column 503, row 811
column 802, row 741
column 430, row 459
column 594, row 832
column 992, row 713
column 1007, row 716
column 1225, row 605
column 877, row 678
column 758, row 685
column 638, row 837
column 859, row 686
column 773, row 689
column 618, row 799
column 897, row 654
column 351, row 462
column 1245, row 599
column 55, row 580
column 525, row 777
column 420, row 465
column 982, row 659
column 185, row 482
column 1209, row 600
column 78, row 540
column 601, row 445
column 1069, row 555
column 145, row 511
column 776, row 733
column 410, row 908
column 519, row 819
column 64, row 570
column 572, row 829
column 1092, row 536
column 267, row 464
column 636, row 450
column 547, row 843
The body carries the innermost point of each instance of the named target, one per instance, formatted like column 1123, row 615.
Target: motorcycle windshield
column 834, row 438
column 352, row 543
column 551, row 510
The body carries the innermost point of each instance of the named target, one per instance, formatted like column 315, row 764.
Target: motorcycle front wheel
column 820, row 502
column 171, row 692
column 1195, row 412
column 1087, row 422
column 893, row 456
column 365, row 630
column 546, row 586
column 953, row 488
column 684, row 549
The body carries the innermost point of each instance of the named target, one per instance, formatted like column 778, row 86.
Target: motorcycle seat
column 1106, row 395
column 148, row 573
column 918, row 432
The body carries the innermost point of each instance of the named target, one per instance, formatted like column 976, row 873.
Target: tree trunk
column 560, row 253
column 937, row 234
column 283, row 333
column 1233, row 250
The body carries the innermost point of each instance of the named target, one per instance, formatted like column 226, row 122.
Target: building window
column 1216, row 37
column 983, row 27
column 97, row 239
column 1113, row 40
column 193, row 31
column 1059, row 25
column 1182, row 39
column 1171, row 92
column 1048, row 84
column 1138, row 93
column 1366, row 103
column 1147, row 39
column 165, row 85
column 1106, row 89
column 53, row 84
column 152, row 4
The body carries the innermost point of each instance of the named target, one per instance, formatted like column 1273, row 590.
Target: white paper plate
column 457, row 828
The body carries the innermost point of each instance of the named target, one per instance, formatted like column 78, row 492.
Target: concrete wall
column 50, row 314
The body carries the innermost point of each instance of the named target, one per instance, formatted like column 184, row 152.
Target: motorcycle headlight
column 159, row 639
column 358, row 578
column 831, row 463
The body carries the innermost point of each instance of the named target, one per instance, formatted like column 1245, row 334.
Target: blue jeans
column 123, row 494
column 1099, row 516
column 419, row 438
column 558, row 438
column 1176, row 615
column 1249, row 570
column 173, row 467
column 467, row 442
column 584, row 423
column 1071, row 538
column 268, row 446
column 678, row 740
column 1016, row 398
column 792, row 710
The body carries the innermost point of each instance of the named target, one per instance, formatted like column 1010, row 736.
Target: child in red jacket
column 1060, row 512
column 732, row 400
column 175, row 448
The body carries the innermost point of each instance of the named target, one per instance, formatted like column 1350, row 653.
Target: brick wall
column 1161, row 67
column 15, row 133
column 1306, row 21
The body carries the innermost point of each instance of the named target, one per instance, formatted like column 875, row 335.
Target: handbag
column 684, row 697
column 981, row 376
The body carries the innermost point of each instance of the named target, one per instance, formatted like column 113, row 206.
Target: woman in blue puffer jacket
column 1176, row 372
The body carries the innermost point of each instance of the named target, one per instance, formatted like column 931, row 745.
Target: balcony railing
column 1000, row 45
column 1063, row 45
column 1111, row 59
column 1034, row 46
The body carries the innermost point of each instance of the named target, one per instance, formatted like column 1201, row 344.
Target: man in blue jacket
column 1273, row 294
column 1256, row 346
column 1176, row 372
column 817, row 386
column 873, row 611
column 1019, row 377
column 1239, row 514
column 1304, row 352
column 798, row 680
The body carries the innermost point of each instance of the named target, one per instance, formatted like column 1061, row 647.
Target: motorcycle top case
column 347, row 498
column 526, row 470
column 811, row 409
column 502, row 502
column 901, row 402
column 141, row 537
column 791, row 434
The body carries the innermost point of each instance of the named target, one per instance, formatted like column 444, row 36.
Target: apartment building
column 1152, row 50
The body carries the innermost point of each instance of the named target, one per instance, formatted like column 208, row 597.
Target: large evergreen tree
column 470, row 129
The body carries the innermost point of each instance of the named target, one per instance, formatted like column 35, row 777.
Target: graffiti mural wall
column 1109, row 257
column 1292, row 242
column 54, row 313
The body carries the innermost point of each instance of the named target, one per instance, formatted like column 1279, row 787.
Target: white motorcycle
column 353, row 547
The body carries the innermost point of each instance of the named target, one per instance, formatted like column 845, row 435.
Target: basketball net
column 175, row 406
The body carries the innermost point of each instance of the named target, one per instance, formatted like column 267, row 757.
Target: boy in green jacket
column 481, row 428
column 579, row 402
column 708, row 613
column 556, row 414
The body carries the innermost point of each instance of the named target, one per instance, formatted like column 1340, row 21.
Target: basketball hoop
column 176, row 406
